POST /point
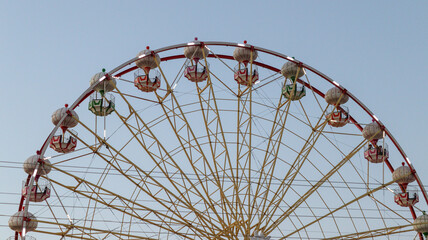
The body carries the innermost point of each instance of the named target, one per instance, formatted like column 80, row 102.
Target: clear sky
column 50, row 49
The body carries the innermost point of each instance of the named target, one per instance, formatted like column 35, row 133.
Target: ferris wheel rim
column 90, row 90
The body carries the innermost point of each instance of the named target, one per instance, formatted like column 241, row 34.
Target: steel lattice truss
column 219, row 160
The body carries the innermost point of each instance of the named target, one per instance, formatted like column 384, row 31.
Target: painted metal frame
column 123, row 68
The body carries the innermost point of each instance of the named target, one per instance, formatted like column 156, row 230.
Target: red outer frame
column 24, row 203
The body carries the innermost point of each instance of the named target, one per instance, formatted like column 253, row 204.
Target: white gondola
column 338, row 117
column 101, row 106
column 293, row 91
column 245, row 73
column 147, row 83
column 376, row 153
column 40, row 191
column 243, row 76
column 196, row 73
column 406, row 199
column 64, row 142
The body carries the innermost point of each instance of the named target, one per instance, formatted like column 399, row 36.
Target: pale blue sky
column 50, row 49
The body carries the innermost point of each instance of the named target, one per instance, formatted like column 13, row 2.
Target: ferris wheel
column 218, row 140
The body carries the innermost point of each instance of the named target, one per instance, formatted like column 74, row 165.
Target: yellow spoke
column 343, row 206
